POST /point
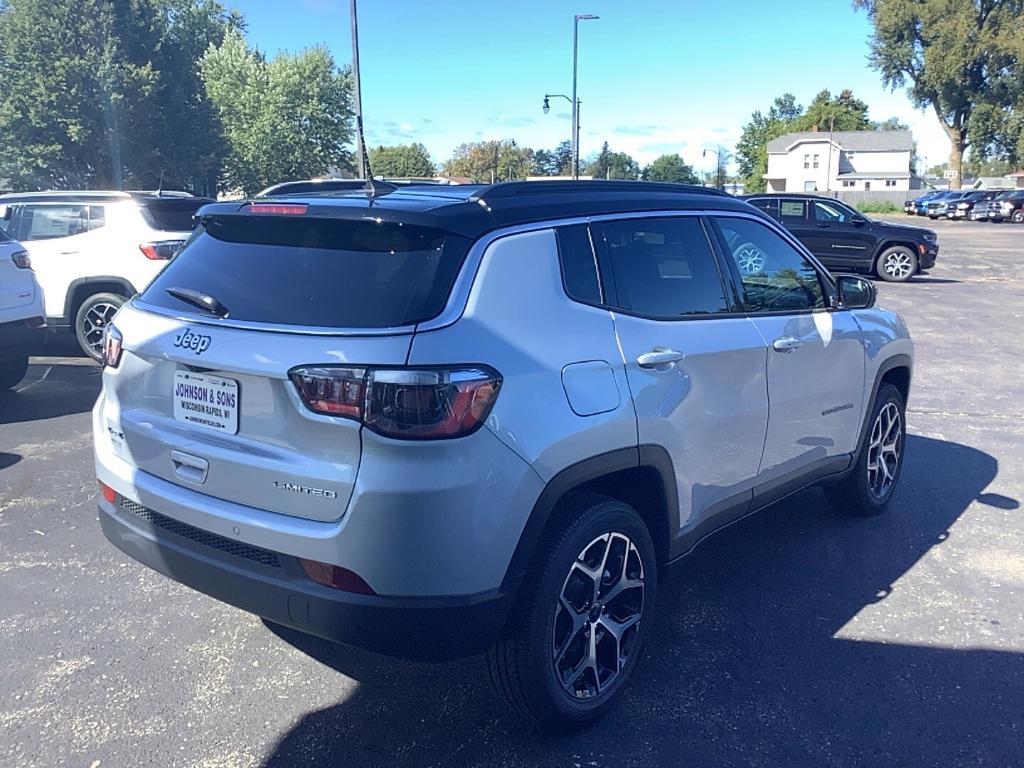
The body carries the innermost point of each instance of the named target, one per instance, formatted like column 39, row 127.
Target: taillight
column 336, row 577
column 276, row 209
column 162, row 250
column 111, row 346
column 22, row 260
column 403, row 403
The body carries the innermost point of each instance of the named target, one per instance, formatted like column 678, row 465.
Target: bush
column 877, row 206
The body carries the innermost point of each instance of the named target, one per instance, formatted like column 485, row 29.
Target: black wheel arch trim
column 576, row 475
column 69, row 304
column 900, row 360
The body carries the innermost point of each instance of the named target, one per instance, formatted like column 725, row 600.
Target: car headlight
column 962, row 206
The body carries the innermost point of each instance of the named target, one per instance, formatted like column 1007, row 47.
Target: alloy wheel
column 884, row 450
column 898, row 265
column 597, row 619
column 96, row 319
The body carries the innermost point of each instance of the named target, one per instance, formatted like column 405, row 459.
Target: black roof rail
column 582, row 186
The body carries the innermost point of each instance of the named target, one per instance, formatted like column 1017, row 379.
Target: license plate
column 207, row 401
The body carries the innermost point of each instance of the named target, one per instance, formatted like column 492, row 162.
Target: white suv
column 22, row 321
column 436, row 421
column 93, row 250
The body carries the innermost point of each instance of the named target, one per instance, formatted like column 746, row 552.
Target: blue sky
column 655, row 76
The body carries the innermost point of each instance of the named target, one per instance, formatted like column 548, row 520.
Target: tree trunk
column 956, row 154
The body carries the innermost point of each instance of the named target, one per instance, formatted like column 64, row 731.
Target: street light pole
column 575, row 103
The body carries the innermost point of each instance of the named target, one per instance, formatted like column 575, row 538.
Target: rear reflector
column 336, row 577
column 276, row 209
column 108, row 493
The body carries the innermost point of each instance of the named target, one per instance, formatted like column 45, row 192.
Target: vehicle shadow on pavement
column 748, row 662
column 50, row 390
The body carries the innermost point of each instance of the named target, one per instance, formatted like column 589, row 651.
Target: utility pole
column 364, row 160
column 575, row 103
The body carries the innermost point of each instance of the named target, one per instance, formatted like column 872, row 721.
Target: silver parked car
column 434, row 422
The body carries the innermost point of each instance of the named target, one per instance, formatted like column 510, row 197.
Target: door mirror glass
column 855, row 292
column 857, row 221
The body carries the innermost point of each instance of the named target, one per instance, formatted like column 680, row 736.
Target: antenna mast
column 364, row 159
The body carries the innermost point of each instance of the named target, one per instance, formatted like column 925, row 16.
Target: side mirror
column 857, row 221
column 855, row 292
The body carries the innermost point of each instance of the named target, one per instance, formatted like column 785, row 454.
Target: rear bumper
column 274, row 586
column 18, row 338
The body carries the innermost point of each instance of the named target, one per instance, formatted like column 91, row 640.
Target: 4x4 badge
column 197, row 342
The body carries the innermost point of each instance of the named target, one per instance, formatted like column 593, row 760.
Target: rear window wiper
column 199, row 299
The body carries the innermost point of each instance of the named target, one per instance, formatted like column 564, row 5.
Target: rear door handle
column 786, row 344
column 660, row 359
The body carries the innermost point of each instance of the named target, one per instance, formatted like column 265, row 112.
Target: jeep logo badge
column 197, row 342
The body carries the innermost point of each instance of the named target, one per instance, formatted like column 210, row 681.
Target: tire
column 897, row 264
column 866, row 491
column 12, row 370
column 1018, row 216
column 933, row 218
column 547, row 638
column 94, row 314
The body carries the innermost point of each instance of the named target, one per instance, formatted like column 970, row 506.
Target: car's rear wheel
column 897, row 264
column 869, row 487
column 1018, row 216
column 582, row 616
column 12, row 370
column 92, row 318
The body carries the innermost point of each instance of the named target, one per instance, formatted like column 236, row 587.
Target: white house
column 843, row 160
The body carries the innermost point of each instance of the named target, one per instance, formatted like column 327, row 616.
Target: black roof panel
column 473, row 209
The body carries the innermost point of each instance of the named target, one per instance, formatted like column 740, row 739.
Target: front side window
column 661, row 268
column 774, row 276
column 827, row 212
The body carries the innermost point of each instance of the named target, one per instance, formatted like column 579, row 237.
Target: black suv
column 845, row 239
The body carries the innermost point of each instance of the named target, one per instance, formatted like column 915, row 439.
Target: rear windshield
column 315, row 272
column 172, row 215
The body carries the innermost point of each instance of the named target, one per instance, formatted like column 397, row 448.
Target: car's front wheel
column 869, row 487
column 897, row 264
column 12, row 370
column 582, row 616
column 1018, row 216
column 92, row 318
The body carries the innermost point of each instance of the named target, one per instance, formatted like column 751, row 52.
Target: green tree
column 670, row 168
column 962, row 58
column 752, row 149
column 487, row 161
column 287, row 118
column 612, row 165
column 401, row 161
column 104, row 93
column 845, row 112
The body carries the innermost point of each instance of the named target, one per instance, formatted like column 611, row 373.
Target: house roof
column 851, row 141
column 875, row 175
column 994, row 182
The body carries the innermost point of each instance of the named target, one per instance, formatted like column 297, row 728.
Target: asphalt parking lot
column 796, row 638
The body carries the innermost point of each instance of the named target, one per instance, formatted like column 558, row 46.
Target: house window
column 810, row 186
column 815, row 161
column 890, row 182
column 849, row 183
column 807, row 161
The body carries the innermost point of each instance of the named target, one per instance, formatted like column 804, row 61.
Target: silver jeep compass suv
column 433, row 421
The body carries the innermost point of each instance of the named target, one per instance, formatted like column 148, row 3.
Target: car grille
column 201, row 537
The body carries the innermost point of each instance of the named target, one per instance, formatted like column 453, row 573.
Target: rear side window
column 767, row 204
column 172, row 215
column 792, row 209
column 579, row 270
column 315, row 272
column 662, row 268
